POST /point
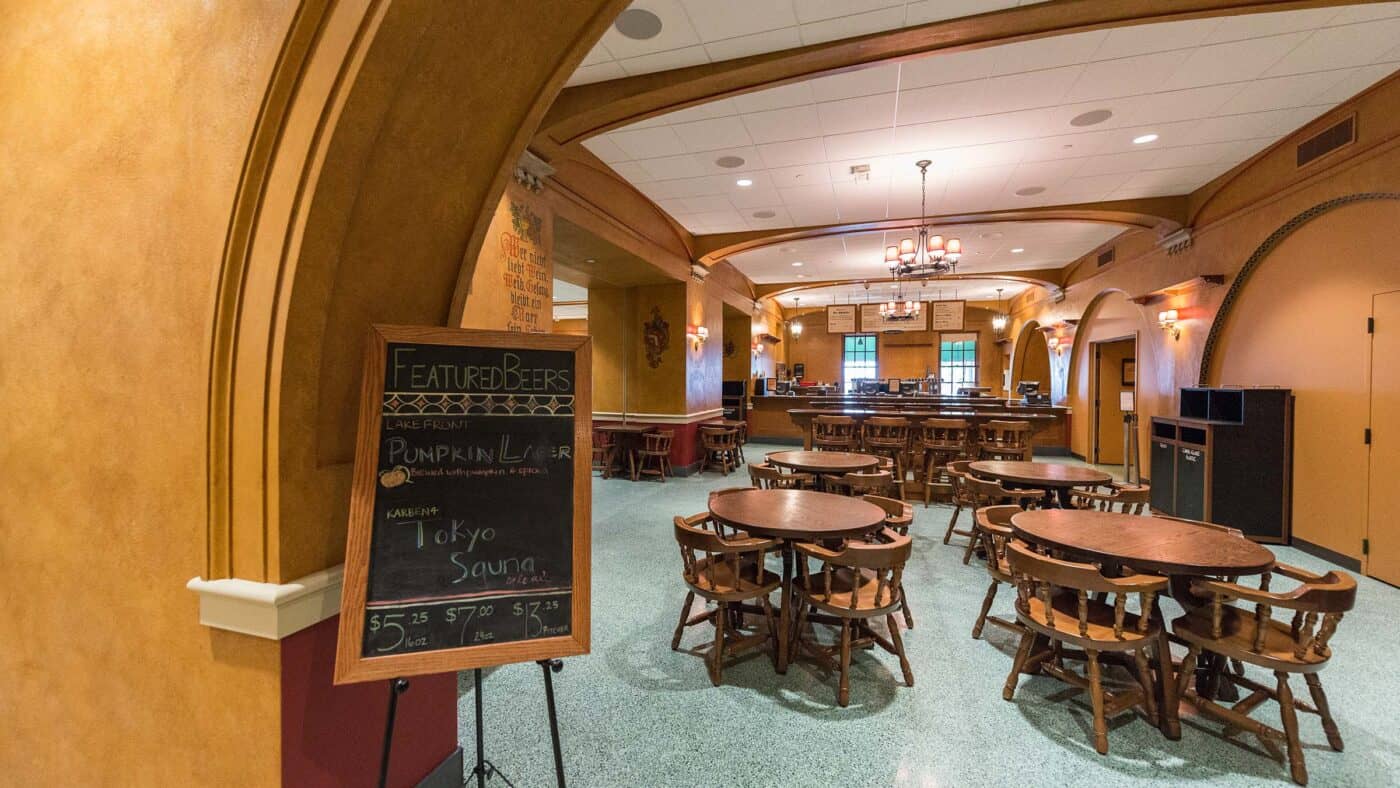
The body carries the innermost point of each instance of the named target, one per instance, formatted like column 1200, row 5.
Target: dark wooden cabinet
column 1227, row 459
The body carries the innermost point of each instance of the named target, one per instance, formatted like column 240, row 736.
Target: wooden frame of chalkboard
column 503, row 428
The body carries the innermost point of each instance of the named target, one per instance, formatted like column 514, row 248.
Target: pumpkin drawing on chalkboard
column 657, row 333
column 394, row 477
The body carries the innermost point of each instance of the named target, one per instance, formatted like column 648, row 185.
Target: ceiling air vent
column 1105, row 257
column 1326, row 141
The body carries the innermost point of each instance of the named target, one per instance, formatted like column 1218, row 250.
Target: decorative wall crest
column 526, row 223
column 657, row 334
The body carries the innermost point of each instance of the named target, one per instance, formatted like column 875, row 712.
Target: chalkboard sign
column 469, row 514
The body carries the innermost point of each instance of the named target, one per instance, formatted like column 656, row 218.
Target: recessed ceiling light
column 801, row 276
column 590, row 260
column 638, row 24
column 764, row 214
column 1030, row 191
column 1091, row 118
column 729, row 162
column 744, row 182
column 1017, row 250
column 797, row 264
column 1144, row 139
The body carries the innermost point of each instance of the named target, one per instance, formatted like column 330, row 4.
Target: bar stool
column 886, row 436
column 1005, row 440
column 943, row 441
column 834, row 433
column 656, row 451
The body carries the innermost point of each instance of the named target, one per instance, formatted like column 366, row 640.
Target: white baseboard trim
column 268, row 610
column 660, row 418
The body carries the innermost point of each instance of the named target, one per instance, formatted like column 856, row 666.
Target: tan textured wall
column 704, row 369
column 662, row 388
column 1034, row 362
column 897, row 356
column 738, row 331
column 512, row 287
column 1222, row 243
column 126, row 124
column 1305, row 329
column 609, row 313
column 578, row 326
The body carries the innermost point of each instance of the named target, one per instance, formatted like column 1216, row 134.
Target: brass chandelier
column 930, row 255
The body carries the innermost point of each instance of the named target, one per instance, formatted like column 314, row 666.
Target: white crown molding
column 268, row 610
column 660, row 418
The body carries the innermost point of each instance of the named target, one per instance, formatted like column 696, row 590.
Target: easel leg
column 396, row 688
column 548, row 666
column 480, row 770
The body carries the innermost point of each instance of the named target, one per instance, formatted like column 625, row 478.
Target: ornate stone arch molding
column 1277, row 237
column 373, row 170
column 1086, row 318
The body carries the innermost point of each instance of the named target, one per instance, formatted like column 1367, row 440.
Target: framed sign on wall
column 946, row 315
column 841, row 319
column 469, row 536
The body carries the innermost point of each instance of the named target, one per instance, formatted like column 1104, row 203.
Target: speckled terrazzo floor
column 635, row 713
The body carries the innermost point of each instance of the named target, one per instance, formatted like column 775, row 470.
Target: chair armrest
column 748, row 544
column 1140, row 583
column 1012, row 492
column 1296, row 573
column 1237, row 591
column 815, row 551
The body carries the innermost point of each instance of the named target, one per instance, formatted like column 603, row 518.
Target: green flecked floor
column 635, row 713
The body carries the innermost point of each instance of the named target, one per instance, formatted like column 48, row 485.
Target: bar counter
column 789, row 419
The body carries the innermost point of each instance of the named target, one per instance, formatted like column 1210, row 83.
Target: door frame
column 1370, row 421
column 1095, row 386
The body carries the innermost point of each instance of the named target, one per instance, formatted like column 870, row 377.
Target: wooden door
column 1107, row 384
column 1383, row 507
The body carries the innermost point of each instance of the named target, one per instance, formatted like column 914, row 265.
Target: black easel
column 396, row 688
column 485, row 768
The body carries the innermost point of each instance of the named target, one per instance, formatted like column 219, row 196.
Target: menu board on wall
column 945, row 315
column 871, row 320
column 841, row 319
column 469, row 512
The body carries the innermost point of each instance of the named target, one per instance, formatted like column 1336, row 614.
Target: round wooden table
column 1176, row 548
column 824, row 461
column 1148, row 544
column 793, row 515
column 1056, row 479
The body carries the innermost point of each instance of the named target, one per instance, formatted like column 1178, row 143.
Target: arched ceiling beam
column 1056, row 292
column 1163, row 214
column 588, row 110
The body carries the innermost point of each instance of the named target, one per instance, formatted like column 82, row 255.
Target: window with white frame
column 957, row 362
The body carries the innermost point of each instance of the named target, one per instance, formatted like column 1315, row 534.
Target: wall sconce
column 698, row 335
column 1056, row 344
column 757, row 349
column 1170, row 323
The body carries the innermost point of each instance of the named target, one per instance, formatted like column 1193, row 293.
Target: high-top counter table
column 790, row 418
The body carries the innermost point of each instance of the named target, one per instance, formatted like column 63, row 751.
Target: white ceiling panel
column 995, row 121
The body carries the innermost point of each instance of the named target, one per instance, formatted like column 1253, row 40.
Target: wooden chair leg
column 772, row 627
column 1289, row 713
column 1169, row 723
column 1188, row 671
column 1149, row 690
column 1096, row 700
column 717, row 656
column 899, row 650
column 1329, row 725
column 1022, row 652
column 685, row 614
column 904, row 604
column 952, row 521
column 967, row 551
column 986, row 606
column 843, row 694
